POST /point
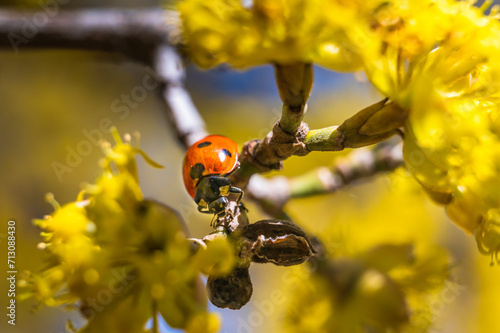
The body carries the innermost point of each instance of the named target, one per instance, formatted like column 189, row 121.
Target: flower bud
column 279, row 242
column 232, row 291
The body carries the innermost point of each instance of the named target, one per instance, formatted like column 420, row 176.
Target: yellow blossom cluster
column 437, row 60
column 123, row 259
column 380, row 272
column 451, row 89
column 269, row 31
column 385, row 290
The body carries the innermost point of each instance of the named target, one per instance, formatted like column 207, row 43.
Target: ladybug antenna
column 213, row 218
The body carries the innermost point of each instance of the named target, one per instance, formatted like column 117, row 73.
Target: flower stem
column 294, row 82
column 324, row 139
column 371, row 125
column 361, row 163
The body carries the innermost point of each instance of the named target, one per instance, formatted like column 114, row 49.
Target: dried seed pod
column 282, row 243
column 232, row 291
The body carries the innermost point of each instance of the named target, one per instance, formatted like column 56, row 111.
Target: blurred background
column 50, row 99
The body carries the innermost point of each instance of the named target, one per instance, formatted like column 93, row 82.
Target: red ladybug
column 207, row 165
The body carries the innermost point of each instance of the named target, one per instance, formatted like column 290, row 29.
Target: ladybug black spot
column 225, row 151
column 197, row 171
column 204, row 144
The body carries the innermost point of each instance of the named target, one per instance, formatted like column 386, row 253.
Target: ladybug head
column 219, row 206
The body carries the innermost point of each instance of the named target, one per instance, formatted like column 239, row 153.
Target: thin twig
column 152, row 36
column 133, row 33
column 184, row 116
column 148, row 36
column 369, row 126
column 294, row 82
column 362, row 163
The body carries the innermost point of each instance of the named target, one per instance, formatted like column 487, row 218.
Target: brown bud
column 232, row 291
column 279, row 242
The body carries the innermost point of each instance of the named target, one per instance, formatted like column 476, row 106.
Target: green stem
column 272, row 194
column 312, row 183
column 371, row 125
column 294, row 82
column 361, row 163
column 324, row 139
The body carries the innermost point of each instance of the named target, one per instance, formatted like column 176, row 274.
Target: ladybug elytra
column 207, row 165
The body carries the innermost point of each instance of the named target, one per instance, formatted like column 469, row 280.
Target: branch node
column 286, row 144
column 249, row 154
column 278, row 145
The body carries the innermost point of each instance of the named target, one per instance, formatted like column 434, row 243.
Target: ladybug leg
column 227, row 216
column 237, row 190
column 213, row 218
column 242, row 206
column 204, row 210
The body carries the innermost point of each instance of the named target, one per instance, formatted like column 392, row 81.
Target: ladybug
column 207, row 165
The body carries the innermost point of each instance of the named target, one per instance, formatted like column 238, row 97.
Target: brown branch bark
column 294, row 83
column 149, row 36
column 133, row 33
column 369, row 126
column 273, row 193
column 185, row 118
column 152, row 37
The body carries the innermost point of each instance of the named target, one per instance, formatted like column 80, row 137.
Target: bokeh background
column 49, row 98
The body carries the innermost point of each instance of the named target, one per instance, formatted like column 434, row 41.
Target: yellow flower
column 368, row 281
column 122, row 258
column 452, row 144
column 270, row 31
column 437, row 60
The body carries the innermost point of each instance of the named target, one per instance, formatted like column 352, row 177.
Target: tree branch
column 294, row 82
column 272, row 194
column 152, row 36
column 148, row 36
column 373, row 124
column 133, row 33
column 187, row 122
column 370, row 125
